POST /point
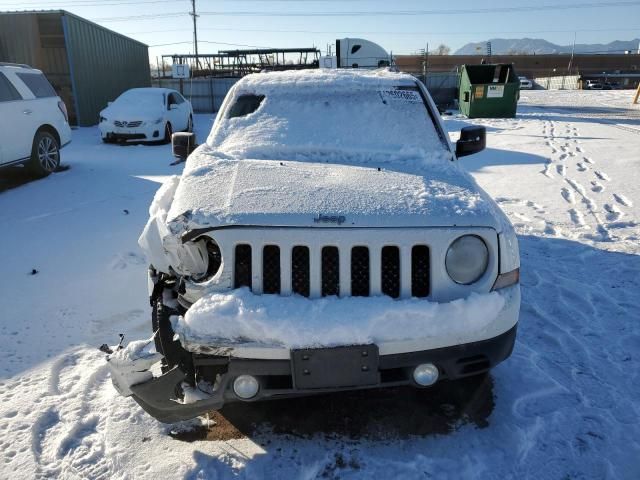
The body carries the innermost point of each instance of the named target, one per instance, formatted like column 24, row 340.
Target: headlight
column 214, row 259
column 467, row 259
column 103, row 119
column 157, row 121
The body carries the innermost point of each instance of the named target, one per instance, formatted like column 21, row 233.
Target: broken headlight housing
column 199, row 259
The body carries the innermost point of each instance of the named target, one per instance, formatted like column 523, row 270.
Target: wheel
column 167, row 133
column 45, row 154
column 190, row 124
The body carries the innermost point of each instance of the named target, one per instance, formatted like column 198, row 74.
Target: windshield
column 357, row 126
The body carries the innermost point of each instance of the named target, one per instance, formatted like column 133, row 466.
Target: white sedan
column 146, row 114
column 525, row 83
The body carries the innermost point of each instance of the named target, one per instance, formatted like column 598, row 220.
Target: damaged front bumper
column 277, row 378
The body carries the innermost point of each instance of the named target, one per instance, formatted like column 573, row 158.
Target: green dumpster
column 489, row 91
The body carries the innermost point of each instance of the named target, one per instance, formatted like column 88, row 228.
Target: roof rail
column 9, row 64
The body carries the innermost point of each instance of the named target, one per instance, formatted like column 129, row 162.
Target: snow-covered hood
column 126, row 111
column 222, row 192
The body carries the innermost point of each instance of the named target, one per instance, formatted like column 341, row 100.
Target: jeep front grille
column 271, row 269
column 360, row 272
column 242, row 275
column 391, row 272
column 355, row 271
column 330, row 271
column 300, row 270
column 420, row 271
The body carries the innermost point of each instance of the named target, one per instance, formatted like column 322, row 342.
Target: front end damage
column 250, row 306
column 179, row 383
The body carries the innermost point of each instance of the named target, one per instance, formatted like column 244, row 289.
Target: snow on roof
column 334, row 79
column 151, row 89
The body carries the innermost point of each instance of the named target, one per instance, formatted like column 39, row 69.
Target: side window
column 8, row 92
column 245, row 104
column 171, row 100
column 38, row 84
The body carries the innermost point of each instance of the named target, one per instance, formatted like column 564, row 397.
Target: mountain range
column 530, row 46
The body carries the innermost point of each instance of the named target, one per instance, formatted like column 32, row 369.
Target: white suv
column 33, row 120
column 324, row 238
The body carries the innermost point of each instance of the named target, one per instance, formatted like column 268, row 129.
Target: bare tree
column 515, row 51
column 441, row 49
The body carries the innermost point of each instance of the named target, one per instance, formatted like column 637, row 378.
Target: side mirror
column 472, row 140
column 173, row 106
column 182, row 144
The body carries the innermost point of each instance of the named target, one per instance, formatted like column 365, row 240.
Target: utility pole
column 195, row 31
column 573, row 49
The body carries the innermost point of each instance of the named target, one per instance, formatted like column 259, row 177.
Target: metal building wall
column 19, row 38
column 205, row 94
column 37, row 39
column 103, row 64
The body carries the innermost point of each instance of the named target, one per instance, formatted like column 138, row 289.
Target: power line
column 210, row 42
column 465, row 11
column 383, row 32
column 138, row 18
column 529, row 8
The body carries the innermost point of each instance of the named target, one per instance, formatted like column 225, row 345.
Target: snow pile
column 242, row 318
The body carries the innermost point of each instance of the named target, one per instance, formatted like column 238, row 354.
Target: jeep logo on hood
column 321, row 218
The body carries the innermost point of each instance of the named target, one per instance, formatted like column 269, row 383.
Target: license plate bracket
column 335, row 367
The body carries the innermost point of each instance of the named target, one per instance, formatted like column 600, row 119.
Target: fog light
column 246, row 386
column 425, row 374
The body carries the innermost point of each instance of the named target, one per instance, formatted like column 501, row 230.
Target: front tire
column 45, row 154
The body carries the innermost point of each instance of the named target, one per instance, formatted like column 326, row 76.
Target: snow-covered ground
column 565, row 405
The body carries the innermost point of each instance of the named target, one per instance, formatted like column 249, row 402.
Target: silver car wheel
column 48, row 154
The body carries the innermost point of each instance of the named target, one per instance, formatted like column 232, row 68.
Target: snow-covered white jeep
column 324, row 238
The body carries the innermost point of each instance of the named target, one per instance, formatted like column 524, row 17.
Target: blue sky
column 162, row 22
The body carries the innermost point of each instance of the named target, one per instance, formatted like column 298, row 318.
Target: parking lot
column 565, row 170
